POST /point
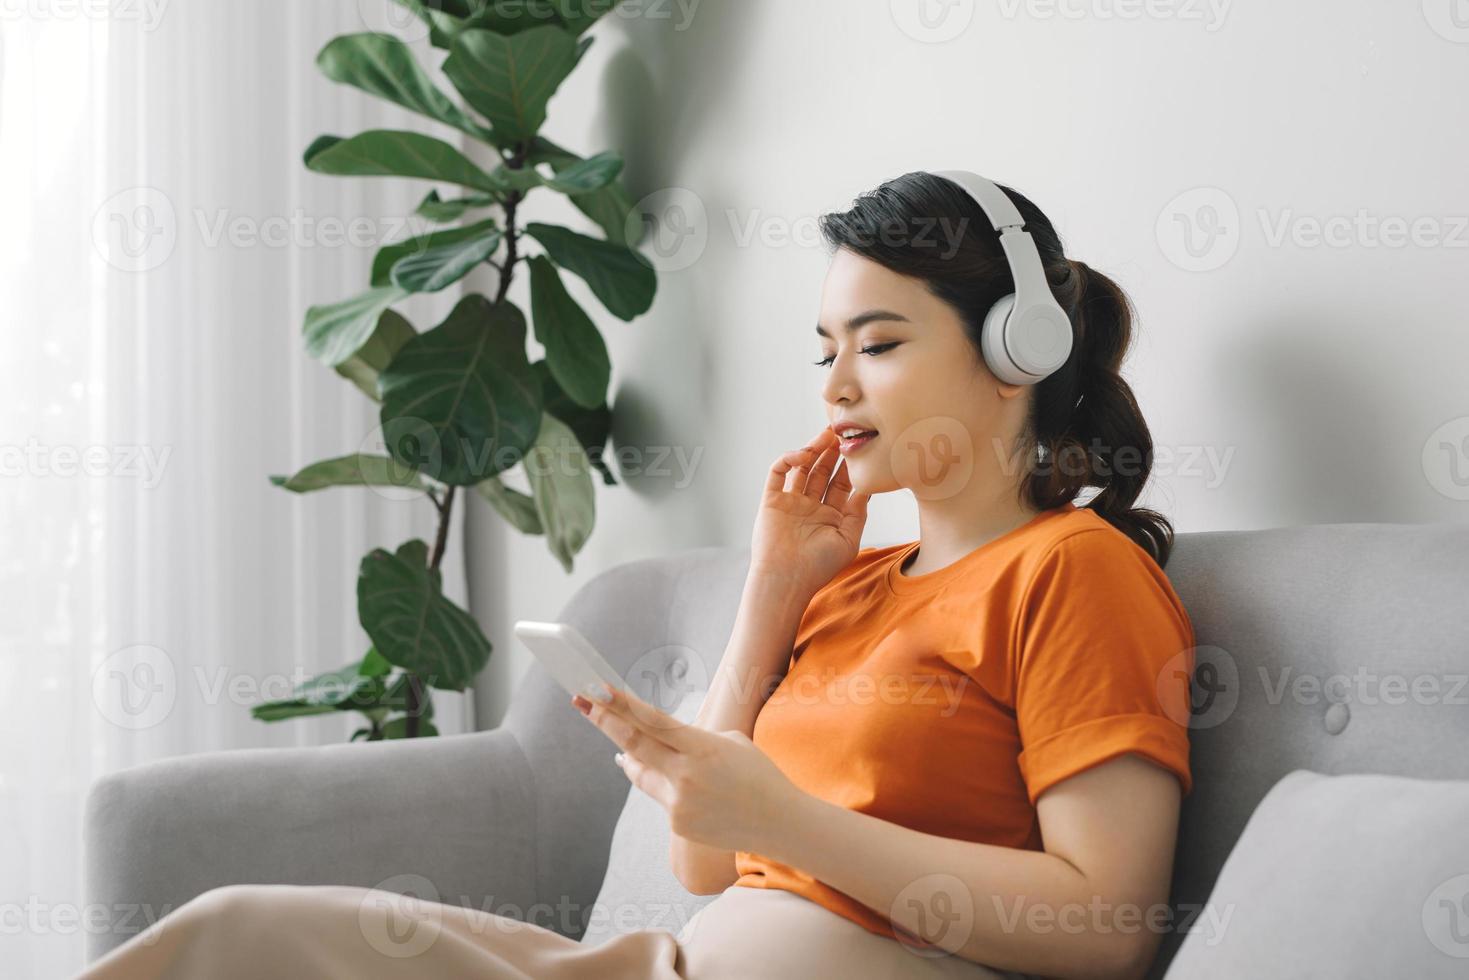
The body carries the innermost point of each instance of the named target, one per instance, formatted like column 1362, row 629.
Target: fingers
column 815, row 485
column 791, row 470
column 639, row 714
column 626, row 735
column 647, row 779
column 777, row 479
column 840, row 486
column 840, row 494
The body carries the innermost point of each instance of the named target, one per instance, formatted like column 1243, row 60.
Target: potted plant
column 461, row 403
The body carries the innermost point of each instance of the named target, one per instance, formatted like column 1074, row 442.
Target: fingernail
column 582, row 704
column 598, row 692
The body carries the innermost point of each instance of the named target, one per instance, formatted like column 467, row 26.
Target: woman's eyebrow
column 862, row 319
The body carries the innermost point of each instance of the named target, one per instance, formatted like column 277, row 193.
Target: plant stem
column 415, row 700
column 442, row 537
column 445, row 507
column 516, row 161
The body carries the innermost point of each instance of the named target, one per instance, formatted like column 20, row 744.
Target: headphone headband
column 1027, row 336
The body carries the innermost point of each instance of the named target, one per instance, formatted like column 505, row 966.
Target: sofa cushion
column 640, row 890
column 1352, row 876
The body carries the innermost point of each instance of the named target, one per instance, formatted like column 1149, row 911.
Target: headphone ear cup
column 992, row 343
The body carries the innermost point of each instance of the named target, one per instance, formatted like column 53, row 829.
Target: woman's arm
column 756, row 659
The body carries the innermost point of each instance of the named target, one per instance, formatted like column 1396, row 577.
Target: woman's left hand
column 719, row 788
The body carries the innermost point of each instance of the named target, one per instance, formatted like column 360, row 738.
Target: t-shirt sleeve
column 1105, row 653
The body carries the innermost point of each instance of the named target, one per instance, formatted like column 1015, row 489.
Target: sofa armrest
column 452, row 815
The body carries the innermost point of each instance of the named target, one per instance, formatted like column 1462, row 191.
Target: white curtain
column 162, row 242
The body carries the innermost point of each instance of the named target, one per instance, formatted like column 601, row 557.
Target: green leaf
column 374, row 664
column 445, row 262
column 285, row 710
column 509, row 79
column 449, row 18
column 363, row 367
column 443, row 241
column 619, row 276
column 337, row 331
column 344, row 689
column 608, row 206
column 561, row 482
column 591, row 425
column 518, row 509
column 585, row 176
column 519, row 178
column 398, row 728
column 401, row 605
column 460, row 402
column 575, row 351
column 358, row 469
column 442, row 211
column 382, row 65
column 395, row 153
column 339, row 686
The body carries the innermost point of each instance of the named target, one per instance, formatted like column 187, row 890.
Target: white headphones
column 1026, row 335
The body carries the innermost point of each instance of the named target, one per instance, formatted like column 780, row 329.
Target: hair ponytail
column 1084, row 427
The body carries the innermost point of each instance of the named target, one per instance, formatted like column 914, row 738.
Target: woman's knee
column 237, row 905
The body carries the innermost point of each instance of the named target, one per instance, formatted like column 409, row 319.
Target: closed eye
column 874, row 350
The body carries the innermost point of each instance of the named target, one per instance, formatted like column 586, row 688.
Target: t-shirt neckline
column 905, row 585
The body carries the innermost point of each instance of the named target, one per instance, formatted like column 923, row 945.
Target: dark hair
column 1084, row 415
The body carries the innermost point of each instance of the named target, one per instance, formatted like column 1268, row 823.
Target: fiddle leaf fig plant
column 461, row 402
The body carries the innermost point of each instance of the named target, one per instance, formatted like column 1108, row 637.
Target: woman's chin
column 862, row 483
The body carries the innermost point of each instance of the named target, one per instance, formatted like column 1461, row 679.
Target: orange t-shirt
column 948, row 702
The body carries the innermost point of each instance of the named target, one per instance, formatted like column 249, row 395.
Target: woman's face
column 938, row 411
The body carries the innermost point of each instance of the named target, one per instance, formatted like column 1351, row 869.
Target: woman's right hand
column 800, row 538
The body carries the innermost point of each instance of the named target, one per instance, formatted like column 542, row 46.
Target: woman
column 958, row 757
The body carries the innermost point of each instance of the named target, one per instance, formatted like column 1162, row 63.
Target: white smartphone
column 568, row 656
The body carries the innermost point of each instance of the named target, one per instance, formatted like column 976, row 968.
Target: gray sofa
column 520, row 820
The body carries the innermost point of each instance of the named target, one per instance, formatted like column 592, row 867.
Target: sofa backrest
column 663, row 623
column 1327, row 647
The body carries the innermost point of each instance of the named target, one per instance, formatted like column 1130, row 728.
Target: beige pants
column 340, row 932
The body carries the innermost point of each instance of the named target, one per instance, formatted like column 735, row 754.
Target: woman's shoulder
column 1081, row 530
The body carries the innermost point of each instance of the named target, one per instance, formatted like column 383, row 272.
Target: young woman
column 958, row 757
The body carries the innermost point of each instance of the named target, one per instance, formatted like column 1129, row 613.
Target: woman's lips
column 855, row 443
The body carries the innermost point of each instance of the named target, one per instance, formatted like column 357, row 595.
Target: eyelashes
column 874, row 350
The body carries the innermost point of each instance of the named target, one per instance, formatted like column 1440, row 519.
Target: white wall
column 1317, row 378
